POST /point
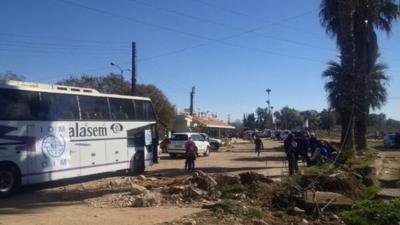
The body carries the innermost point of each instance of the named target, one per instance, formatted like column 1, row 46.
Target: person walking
column 258, row 145
column 290, row 146
column 313, row 143
column 191, row 154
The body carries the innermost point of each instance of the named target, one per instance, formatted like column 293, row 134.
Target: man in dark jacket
column 290, row 146
column 302, row 147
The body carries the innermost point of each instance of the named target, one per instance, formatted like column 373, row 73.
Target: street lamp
column 121, row 71
column 268, row 101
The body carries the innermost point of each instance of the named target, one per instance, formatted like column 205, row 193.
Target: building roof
column 212, row 123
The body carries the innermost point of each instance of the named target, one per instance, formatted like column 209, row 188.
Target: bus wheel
column 138, row 163
column 9, row 179
column 172, row 155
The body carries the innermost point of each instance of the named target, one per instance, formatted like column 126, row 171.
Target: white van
column 178, row 141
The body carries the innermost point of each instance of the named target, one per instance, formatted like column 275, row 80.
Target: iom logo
column 53, row 146
column 117, row 128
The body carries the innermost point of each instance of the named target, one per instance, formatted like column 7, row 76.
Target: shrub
column 376, row 212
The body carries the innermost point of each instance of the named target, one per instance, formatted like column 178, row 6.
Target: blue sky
column 231, row 50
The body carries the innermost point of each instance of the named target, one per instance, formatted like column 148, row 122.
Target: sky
column 230, row 50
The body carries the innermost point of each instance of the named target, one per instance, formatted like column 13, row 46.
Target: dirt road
column 68, row 204
column 230, row 160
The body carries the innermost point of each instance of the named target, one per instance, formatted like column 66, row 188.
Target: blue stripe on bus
column 75, row 168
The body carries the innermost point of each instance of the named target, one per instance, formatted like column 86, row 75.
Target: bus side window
column 94, row 108
column 19, row 105
column 121, row 109
column 139, row 109
column 144, row 110
column 59, row 106
column 148, row 110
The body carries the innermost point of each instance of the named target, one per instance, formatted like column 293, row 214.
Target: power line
column 49, row 44
column 263, row 20
column 272, row 23
column 182, row 14
column 221, row 40
column 59, row 38
column 132, row 19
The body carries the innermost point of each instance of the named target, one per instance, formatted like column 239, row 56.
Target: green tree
column 9, row 75
column 370, row 15
column 165, row 110
column 289, row 118
column 337, row 18
column 377, row 121
column 353, row 23
column 313, row 118
column 327, row 119
column 251, row 121
column 337, row 89
column 112, row 84
column 261, row 118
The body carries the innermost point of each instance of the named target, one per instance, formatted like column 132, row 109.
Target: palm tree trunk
column 361, row 124
column 367, row 53
column 347, row 49
column 347, row 135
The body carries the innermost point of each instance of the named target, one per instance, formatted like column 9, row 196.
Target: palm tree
column 340, row 98
column 353, row 24
column 338, row 85
column 368, row 16
column 337, row 18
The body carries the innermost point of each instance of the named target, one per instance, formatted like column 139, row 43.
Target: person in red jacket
column 191, row 154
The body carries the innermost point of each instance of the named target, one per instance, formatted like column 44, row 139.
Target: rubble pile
column 196, row 190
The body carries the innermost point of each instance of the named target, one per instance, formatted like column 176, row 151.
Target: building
column 204, row 122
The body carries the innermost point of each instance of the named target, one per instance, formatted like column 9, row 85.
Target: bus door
column 136, row 147
column 151, row 143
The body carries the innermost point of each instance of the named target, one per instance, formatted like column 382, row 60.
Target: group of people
column 309, row 147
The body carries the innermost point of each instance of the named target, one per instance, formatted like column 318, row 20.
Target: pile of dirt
column 196, row 190
column 344, row 183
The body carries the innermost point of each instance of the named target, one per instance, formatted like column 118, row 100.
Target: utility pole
column 133, row 81
column 191, row 100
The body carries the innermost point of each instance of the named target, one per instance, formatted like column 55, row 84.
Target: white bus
column 52, row 132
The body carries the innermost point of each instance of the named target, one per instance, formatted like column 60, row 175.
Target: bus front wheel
column 9, row 179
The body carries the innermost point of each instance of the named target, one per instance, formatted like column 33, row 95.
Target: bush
column 231, row 191
column 370, row 192
column 253, row 191
column 376, row 212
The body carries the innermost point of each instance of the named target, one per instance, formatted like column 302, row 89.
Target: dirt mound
column 346, row 184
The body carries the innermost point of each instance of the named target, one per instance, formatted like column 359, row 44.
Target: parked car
column 284, row 134
column 178, row 141
column 215, row 143
column 389, row 140
column 164, row 144
column 276, row 135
